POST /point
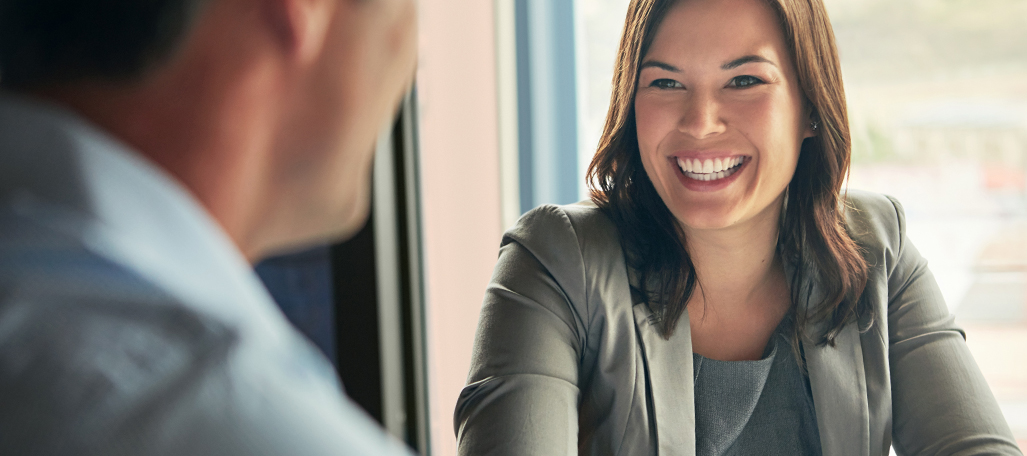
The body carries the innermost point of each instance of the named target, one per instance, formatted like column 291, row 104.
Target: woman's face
column 719, row 113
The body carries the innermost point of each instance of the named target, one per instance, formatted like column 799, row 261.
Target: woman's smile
column 708, row 174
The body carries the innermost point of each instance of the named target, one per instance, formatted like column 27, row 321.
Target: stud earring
column 813, row 125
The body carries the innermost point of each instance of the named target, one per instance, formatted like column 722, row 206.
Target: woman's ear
column 299, row 26
column 812, row 125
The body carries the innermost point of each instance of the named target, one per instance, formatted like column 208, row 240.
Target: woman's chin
column 706, row 220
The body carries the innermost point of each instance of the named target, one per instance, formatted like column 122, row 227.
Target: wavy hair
column 813, row 236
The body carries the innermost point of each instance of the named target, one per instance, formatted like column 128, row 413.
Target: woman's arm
column 522, row 392
column 941, row 402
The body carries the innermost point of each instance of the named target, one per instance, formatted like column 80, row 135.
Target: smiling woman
column 720, row 294
column 731, row 93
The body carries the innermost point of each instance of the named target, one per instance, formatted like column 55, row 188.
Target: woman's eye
column 739, row 82
column 665, row 84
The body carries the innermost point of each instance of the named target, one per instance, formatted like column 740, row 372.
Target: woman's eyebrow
column 747, row 59
column 660, row 65
column 727, row 66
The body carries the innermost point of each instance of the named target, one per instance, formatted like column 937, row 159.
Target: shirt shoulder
column 85, row 343
column 94, row 359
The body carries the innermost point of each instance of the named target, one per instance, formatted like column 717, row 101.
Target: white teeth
column 710, row 169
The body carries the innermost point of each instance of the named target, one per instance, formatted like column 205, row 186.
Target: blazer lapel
column 838, row 382
column 836, row 374
column 668, row 365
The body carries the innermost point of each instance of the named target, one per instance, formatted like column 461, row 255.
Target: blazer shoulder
column 552, row 226
column 876, row 222
column 578, row 246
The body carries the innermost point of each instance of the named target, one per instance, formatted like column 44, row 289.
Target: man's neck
column 183, row 132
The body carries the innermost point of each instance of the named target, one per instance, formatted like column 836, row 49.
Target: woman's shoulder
column 578, row 248
column 876, row 222
column 576, row 244
column 581, row 224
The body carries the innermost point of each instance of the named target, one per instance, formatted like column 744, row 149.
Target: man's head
column 46, row 42
column 266, row 110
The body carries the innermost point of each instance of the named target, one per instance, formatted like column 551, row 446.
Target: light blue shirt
column 129, row 322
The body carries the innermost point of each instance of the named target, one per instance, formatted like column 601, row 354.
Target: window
column 938, row 105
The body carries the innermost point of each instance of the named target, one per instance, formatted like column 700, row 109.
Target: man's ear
column 299, row 26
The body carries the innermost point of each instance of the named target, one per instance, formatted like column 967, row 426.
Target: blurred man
column 150, row 150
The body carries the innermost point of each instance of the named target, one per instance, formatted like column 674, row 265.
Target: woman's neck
column 736, row 266
column 744, row 293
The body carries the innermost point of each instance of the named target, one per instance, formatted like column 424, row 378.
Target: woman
column 721, row 296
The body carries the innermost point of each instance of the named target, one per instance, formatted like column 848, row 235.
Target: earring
column 813, row 125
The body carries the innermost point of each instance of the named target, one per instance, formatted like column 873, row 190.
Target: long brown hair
column 812, row 237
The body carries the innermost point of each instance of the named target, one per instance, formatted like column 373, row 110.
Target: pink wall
column 460, row 191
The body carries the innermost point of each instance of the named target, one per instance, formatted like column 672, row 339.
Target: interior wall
column 460, row 188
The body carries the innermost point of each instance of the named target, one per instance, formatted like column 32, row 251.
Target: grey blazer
column 565, row 363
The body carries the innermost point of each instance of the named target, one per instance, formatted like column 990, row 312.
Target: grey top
column 131, row 325
column 565, row 361
column 755, row 407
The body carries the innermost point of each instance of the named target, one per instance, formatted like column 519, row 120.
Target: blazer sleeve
column 941, row 402
column 522, row 392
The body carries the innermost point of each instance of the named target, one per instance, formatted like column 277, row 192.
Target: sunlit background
column 938, row 100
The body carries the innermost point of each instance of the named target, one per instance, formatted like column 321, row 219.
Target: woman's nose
column 701, row 116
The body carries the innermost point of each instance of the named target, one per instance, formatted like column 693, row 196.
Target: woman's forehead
column 716, row 32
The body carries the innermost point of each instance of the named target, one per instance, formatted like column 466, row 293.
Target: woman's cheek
column 642, row 123
column 652, row 122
